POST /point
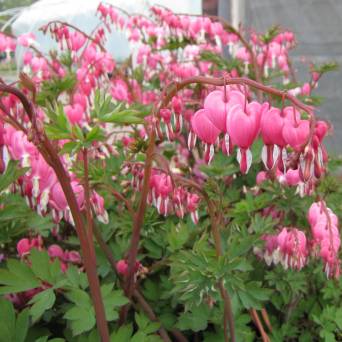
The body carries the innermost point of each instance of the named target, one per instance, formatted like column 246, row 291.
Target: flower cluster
column 25, row 245
column 7, row 45
column 326, row 237
column 269, row 53
column 164, row 194
column 228, row 114
column 291, row 247
column 39, row 185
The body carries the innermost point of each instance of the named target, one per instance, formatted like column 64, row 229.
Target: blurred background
column 316, row 23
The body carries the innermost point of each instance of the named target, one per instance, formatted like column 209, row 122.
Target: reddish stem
column 258, row 323
column 265, row 317
column 51, row 157
column 139, row 217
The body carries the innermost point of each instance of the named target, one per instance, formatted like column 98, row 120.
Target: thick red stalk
column 51, row 157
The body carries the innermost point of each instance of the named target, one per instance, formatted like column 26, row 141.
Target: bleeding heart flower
column 272, row 123
column 23, row 247
column 296, row 134
column 74, row 112
column 55, row 251
column 206, row 131
column 243, row 127
column 218, row 102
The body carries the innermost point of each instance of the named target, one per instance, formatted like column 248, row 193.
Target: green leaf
column 248, row 301
column 40, row 265
column 79, row 297
column 42, row 302
column 17, row 278
column 54, row 87
column 141, row 320
column 139, row 337
column 77, row 131
column 327, row 336
column 270, row 34
column 220, row 61
column 56, row 133
column 22, row 325
column 168, row 320
column 178, row 236
column 124, row 117
column 70, row 147
column 42, row 339
column 7, row 325
column 95, row 134
column 12, row 173
column 152, row 327
column 12, row 329
column 81, row 319
column 196, row 319
column 325, row 67
column 220, row 166
column 338, row 318
column 240, row 247
column 81, row 315
column 59, row 127
column 75, row 278
column 124, row 333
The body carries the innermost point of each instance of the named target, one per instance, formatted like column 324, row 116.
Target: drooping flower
column 206, row 131
column 272, row 123
column 74, row 113
column 243, row 126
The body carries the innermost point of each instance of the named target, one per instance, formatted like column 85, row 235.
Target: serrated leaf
column 42, row 339
column 18, row 278
column 7, row 326
column 338, row 318
column 247, row 300
column 141, row 320
column 196, row 319
column 81, row 319
column 11, row 174
column 95, row 134
column 41, row 302
column 140, row 336
column 79, row 297
column 152, row 327
column 177, row 236
column 70, row 147
column 77, row 131
column 40, row 265
column 56, row 133
column 124, row 333
column 22, row 325
column 125, row 117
